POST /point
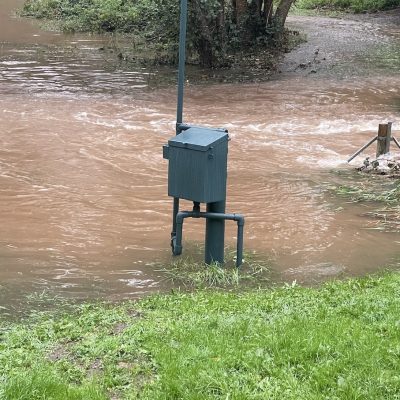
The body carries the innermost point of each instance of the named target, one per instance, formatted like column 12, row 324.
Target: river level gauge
column 197, row 171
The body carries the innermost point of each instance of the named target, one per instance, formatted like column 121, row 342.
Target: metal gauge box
column 197, row 168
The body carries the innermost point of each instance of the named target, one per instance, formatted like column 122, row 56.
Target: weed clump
column 188, row 273
column 381, row 191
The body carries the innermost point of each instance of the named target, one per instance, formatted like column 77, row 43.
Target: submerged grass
column 187, row 272
column 381, row 191
column 339, row 341
column 386, row 219
column 369, row 192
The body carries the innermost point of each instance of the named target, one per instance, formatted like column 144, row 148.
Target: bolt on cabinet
column 197, row 169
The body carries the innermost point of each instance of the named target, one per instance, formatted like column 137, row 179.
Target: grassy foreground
column 340, row 341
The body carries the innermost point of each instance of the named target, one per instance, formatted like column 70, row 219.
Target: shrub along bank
column 339, row 341
column 219, row 32
column 356, row 6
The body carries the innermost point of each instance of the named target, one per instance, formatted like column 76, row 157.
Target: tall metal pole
column 182, row 59
column 181, row 83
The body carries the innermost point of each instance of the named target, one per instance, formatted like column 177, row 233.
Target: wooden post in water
column 388, row 137
column 384, row 138
column 383, row 141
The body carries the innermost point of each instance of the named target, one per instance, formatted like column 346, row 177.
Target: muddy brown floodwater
column 83, row 205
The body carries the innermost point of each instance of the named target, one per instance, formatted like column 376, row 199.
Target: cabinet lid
column 201, row 139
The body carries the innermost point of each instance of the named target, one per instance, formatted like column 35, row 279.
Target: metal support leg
column 239, row 245
column 215, row 234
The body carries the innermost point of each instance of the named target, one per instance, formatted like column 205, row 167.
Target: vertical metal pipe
column 239, row 248
column 182, row 59
column 177, row 248
column 175, row 210
column 181, row 82
column 215, row 234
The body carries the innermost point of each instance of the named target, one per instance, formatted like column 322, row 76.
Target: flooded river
column 84, row 209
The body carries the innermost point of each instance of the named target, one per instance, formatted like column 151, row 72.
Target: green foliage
column 192, row 274
column 213, row 34
column 91, row 15
column 356, row 6
column 368, row 191
column 340, row 341
column 43, row 382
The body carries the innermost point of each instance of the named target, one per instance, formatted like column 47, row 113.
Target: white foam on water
column 318, row 162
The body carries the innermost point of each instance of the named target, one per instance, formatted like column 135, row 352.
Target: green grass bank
column 338, row 341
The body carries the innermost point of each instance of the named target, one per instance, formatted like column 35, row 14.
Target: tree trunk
column 267, row 11
column 221, row 25
column 234, row 12
column 204, row 41
column 281, row 14
column 240, row 10
column 259, row 4
column 205, row 53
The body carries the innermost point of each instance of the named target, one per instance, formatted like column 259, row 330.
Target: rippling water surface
column 83, row 204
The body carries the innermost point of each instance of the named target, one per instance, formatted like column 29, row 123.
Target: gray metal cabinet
column 197, row 168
